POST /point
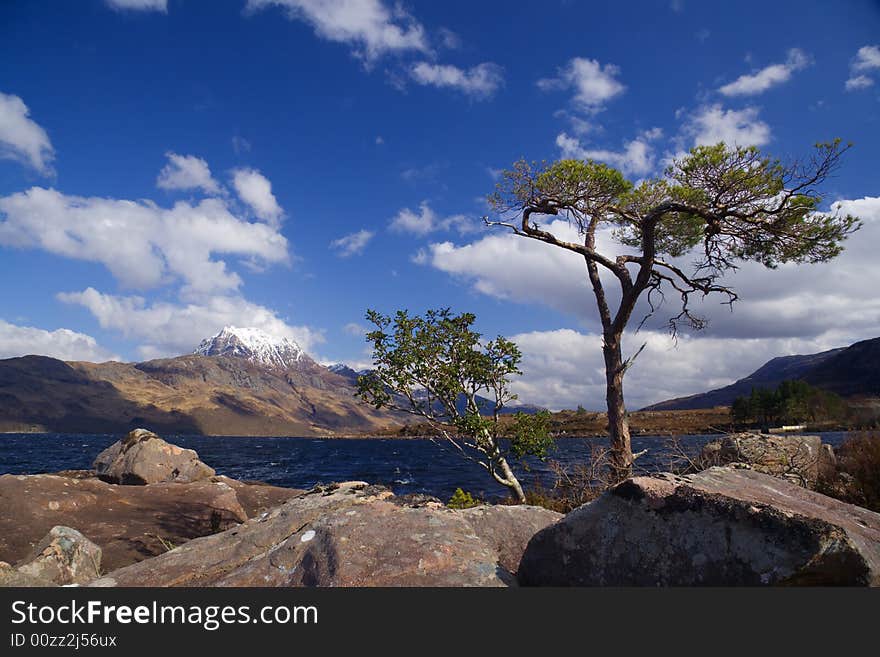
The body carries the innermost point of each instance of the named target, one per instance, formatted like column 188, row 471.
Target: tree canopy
column 436, row 367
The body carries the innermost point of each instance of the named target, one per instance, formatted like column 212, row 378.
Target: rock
column 721, row 527
column 348, row 534
column 9, row 576
column 508, row 529
column 799, row 459
column 64, row 556
column 129, row 523
column 142, row 457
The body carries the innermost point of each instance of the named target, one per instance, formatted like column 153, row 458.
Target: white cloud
column 427, row 221
column 143, row 245
column 353, row 328
column 187, row 172
column 21, row 138
column 793, row 309
column 505, row 266
column 480, row 82
column 712, row 124
column 255, row 189
column 352, row 244
column 593, row 83
column 770, row 76
column 858, row 82
column 138, row 5
column 564, row 368
column 60, row 343
column 168, row 329
column 637, row 156
column 867, row 59
column 372, row 28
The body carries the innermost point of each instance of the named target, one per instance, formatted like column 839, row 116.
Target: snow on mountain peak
column 254, row 345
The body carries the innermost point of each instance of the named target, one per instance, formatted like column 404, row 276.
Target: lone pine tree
column 721, row 205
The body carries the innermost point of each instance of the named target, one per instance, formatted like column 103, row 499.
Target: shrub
column 462, row 500
column 858, row 461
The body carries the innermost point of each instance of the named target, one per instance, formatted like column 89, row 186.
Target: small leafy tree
column 723, row 205
column 436, row 367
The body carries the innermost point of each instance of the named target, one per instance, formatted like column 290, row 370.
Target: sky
column 169, row 167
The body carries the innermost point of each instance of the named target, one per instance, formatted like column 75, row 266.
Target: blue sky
column 170, row 167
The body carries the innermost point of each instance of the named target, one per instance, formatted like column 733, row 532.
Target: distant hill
column 240, row 382
column 848, row 371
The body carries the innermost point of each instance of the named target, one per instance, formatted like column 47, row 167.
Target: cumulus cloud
column 352, row 244
column 61, row 343
column 533, row 272
column 593, row 83
column 170, row 329
column 768, row 77
column 867, row 59
column 711, row 124
column 564, row 368
column 425, row 221
column 142, row 244
column 21, row 138
column 353, row 328
column 370, row 27
column 255, row 189
column 480, row 82
column 858, row 82
column 793, row 309
column 138, row 5
column 187, row 172
column 637, row 156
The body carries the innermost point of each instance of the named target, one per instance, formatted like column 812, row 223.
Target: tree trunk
column 511, row 481
column 618, row 421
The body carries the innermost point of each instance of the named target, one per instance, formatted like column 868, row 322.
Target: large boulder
column 9, row 576
column 508, row 529
column 142, row 457
column 129, row 523
column 721, row 527
column 64, row 556
column 800, row 459
column 349, row 534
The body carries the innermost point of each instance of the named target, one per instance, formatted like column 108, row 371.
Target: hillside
column 848, row 371
column 254, row 389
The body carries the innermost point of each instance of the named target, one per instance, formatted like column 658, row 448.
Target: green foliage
column 740, row 203
column 437, row 367
column 462, row 500
column 792, row 402
column 531, row 435
column 431, row 361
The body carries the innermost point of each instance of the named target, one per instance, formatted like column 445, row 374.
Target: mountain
column 238, row 382
column 848, row 371
column 255, row 346
column 485, row 404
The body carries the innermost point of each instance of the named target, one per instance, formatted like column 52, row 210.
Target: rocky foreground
column 152, row 514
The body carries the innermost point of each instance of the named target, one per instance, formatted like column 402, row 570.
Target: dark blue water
column 407, row 466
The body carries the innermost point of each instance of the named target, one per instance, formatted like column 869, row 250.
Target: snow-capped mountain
column 344, row 370
column 253, row 345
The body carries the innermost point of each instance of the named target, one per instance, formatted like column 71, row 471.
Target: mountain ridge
column 847, row 371
column 238, row 382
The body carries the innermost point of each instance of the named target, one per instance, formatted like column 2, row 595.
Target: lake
column 407, row 466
